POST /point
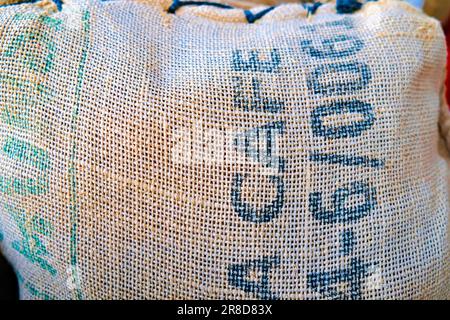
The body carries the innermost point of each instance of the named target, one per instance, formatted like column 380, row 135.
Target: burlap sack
column 151, row 149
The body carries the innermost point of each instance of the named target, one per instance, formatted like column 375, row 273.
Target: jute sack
column 153, row 149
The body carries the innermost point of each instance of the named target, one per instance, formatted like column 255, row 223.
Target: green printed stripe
column 32, row 289
column 46, row 20
column 19, row 83
column 73, row 156
column 24, row 151
column 24, row 187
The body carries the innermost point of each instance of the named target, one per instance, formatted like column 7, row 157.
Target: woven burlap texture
column 217, row 153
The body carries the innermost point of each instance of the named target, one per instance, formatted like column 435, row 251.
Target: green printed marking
column 28, row 95
column 51, row 22
column 31, row 246
column 16, row 111
column 26, row 152
column 12, row 117
column 42, row 226
column 38, row 293
column 33, row 59
column 36, row 59
column 24, row 84
column 23, row 187
column 33, row 290
column 73, row 156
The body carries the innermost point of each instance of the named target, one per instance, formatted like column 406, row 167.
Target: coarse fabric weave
column 155, row 149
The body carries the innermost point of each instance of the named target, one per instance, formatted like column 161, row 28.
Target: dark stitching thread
column 177, row 4
column 312, row 7
column 342, row 7
column 17, row 3
column 58, row 3
column 347, row 6
column 251, row 17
